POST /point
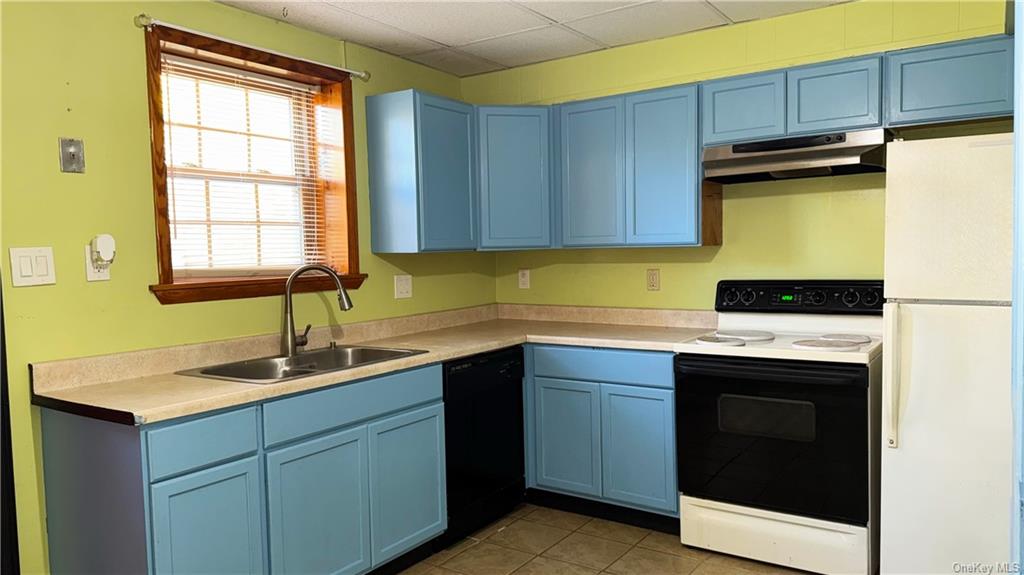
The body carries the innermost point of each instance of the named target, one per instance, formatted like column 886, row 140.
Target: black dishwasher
column 483, row 414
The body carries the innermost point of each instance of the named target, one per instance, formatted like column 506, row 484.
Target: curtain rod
column 145, row 21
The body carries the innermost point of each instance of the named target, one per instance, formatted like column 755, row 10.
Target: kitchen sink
column 275, row 369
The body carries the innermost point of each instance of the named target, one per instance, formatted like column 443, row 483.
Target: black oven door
column 787, row 436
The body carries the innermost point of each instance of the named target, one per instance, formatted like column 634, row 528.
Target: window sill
column 207, row 289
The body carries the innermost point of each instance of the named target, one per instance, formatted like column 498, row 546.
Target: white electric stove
column 777, row 422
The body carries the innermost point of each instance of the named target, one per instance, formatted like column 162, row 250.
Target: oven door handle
column 891, row 374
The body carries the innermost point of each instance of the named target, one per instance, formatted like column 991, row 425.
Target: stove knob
column 871, row 298
column 817, row 297
column 851, row 297
column 748, row 296
column 731, row 296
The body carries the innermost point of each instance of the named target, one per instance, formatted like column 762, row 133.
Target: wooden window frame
column 336, row 89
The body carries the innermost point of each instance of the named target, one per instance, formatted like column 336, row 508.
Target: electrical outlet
column 403, row 286
column 93, row 273
column 524, row 279
column 654, row 279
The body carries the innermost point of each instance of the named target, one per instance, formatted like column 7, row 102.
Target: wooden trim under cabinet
column 711, row 214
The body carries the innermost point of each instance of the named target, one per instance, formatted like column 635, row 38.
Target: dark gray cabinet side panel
column 95, row 501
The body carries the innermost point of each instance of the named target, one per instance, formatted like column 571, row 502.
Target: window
column 252, row 169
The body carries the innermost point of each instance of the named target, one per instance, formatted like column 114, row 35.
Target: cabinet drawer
column 201, row 442
column 303, row 415
column 651, row 368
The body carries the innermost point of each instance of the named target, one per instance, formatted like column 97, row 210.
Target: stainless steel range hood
column 798, row 157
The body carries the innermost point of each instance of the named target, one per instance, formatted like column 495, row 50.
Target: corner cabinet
column 593, row 185
column 422, row 161
column 969, row 79
column 749, row 107
column 338, row 480
column 602, row 425
column 515, row 177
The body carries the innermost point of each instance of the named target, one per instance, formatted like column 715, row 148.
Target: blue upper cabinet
column 567, row 420
column 744, row 108
column 422, row 161
column 593, row 190
column 662, row 171
column 950, row 81
column 319, row 505
column 835, row 96
column 515, row 179
column 210, row 521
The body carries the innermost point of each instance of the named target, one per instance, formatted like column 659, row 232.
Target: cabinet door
column 447, row 180
column 950, row 82
column 592, row 186
column 662, row 199
column 568, row 435
column 515, row 186
column 319, row 505
column 744, row 108
column 836, row 96
column 638, row 446
column 210, row 521
column 407, row 481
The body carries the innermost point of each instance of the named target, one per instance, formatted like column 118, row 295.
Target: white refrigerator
column 946, row 498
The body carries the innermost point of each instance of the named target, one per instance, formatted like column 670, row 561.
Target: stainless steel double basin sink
column 276, row 369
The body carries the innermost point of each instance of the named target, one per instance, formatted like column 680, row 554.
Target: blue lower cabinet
column 407, row 481
column 638, row 446
column 210, row 521
column 319, row 505
column 568, row 435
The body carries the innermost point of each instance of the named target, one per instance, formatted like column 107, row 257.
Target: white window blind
column 246, row 159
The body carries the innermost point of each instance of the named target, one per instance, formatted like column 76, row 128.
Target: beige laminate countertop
column 156, row 398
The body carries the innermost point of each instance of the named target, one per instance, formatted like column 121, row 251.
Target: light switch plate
column 524, row 279
column 403, row 286
column 93, row 274
column 32, row 267
column 72, row 156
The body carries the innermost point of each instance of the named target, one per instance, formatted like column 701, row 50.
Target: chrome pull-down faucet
column 289, row 340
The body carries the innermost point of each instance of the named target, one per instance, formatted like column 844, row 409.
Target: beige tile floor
column 540, row 541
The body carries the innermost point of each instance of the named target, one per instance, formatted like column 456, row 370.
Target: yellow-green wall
column 77, row 69
column 810, row 228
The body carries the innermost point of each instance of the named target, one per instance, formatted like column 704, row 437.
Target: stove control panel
column 808, row 296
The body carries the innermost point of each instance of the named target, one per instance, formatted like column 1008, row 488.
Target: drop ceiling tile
column 531, row 46
column 743, row 10
column 565, row 11
column 449, row 23
column 454, row 62
column 647, row 22
column 331, row 21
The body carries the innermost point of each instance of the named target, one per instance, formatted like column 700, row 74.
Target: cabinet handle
column 891, row 374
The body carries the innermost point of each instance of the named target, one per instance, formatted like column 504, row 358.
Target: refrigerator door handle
column 891, row 374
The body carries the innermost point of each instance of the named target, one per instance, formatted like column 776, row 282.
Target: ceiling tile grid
column 473, row 37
